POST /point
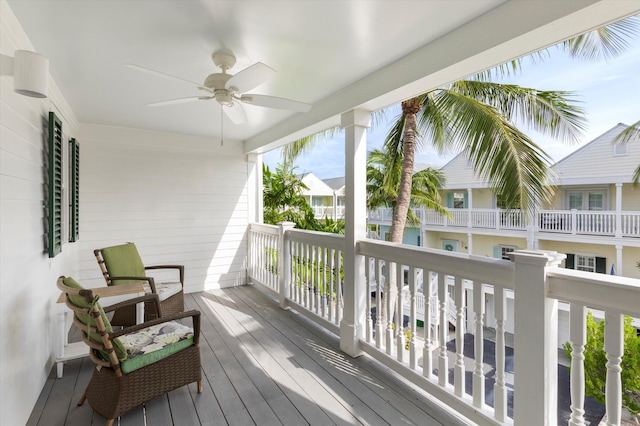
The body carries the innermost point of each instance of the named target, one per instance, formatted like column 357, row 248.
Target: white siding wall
column 180, row 199
column 27, row 275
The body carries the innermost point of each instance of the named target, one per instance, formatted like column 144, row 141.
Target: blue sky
column 608, row 91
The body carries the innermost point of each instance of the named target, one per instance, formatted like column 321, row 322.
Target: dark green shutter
column 54, row 183
column 74, row 196
column 569, row 263
column 466, row 200
column 450, row 200
column 601, row 265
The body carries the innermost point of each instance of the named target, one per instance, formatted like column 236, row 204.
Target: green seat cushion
column 81, row 302
column 154, row 343
column 123, row 261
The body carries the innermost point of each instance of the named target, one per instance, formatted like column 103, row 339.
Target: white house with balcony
column 183, row 182
column 594, row 216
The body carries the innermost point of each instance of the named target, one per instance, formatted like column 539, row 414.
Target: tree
column 283, row 201
column 282, row 197
column 383, row 177
column 595, row 361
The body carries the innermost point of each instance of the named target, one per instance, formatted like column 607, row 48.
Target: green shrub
column 595, row 360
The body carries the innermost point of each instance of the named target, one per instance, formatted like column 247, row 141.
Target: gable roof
column 316, row 186
column 596, row 162
column 460, row 174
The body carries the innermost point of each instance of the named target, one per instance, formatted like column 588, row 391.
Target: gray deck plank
column 392, row 402
column 226, row 346
column 261, row 366
column 363, row 403
column 57, row 408
column 215, row 377
column 158, row 413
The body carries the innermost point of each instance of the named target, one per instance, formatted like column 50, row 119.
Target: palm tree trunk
column 410, row 108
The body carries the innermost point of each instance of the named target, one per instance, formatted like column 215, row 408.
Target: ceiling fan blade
column 235, row 112
column 274, row 102
column 168, row 76
column 250, row 78
column 180, row 100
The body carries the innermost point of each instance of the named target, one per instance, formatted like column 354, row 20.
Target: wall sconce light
column 30, row 72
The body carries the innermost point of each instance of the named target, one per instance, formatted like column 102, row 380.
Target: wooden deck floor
column 263, row 366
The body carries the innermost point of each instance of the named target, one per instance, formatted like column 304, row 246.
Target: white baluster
column 368, row 321
column 389, row 283
column 379, row 307
column 399, row 330
column 459, row 379
column 613, row 346
column 443, row 330
column 499, row 388
column 427, row 359
column 578, row 337
column 338, row 258
column 478, row 374
column 413, row 359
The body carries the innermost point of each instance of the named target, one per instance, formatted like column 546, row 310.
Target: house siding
column 27, row 274
column 180, row 199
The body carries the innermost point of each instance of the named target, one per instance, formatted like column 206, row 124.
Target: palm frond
column 630, row 133
column 304, row 145
column 605, row 42
column 554, row 113
column 512, row 163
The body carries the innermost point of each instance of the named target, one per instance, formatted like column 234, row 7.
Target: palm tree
column 383, row 178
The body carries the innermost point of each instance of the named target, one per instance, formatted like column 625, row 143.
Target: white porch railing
column 576, row 222
column 310, row 278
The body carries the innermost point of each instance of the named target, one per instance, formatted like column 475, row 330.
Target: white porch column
column 254, row 188
column 355, row 124
column 619, row 214
column 470, row 243
column 535, row 339
column 619, row 270
column 469, row 207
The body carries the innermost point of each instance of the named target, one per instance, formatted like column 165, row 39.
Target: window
column 505, row 250
column 596, row 201
column 457, row 200
column 502, row 251
column 586, row 262
column 620, row 149
column 587, row 199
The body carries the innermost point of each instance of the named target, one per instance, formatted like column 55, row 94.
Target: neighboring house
column 326, row 196
column 594, row 216
column 318, row 195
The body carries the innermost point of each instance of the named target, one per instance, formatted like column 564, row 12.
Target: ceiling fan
column 229, row 90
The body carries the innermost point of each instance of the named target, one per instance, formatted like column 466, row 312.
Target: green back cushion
column 81, row 302
column 123, row 261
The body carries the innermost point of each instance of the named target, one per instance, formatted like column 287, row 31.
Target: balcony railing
column 310, row 266
column 575, row 222
column 324, row 212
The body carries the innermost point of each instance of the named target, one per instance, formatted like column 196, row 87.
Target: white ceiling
column 334, row 54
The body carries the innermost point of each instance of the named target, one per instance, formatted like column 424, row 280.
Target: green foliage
column 283, row 201
column 383, row 179
column 595, row 360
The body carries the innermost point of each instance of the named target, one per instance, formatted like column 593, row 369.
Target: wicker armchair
column 135, row 364
column 122, row 265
